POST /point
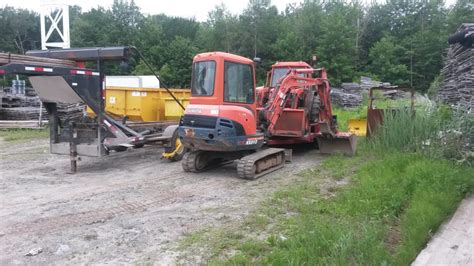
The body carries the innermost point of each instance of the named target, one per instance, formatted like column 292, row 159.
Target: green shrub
column 385, row 216
column 434, row 87
column 435, row 131
column 23, row 134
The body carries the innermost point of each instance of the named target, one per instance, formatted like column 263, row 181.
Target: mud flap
column 345, row 144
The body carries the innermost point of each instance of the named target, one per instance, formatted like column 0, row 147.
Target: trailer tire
column 141, row 145
column 174, row 143
column 120, row 148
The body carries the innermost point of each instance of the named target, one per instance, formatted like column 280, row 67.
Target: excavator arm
column 296, row 83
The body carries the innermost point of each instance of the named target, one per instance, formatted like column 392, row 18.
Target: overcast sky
column 182, row 8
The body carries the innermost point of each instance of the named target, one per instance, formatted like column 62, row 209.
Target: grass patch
column 433, row 131
column 343, row 116
column 379, row 207
column 384, row 216
column 23, row 134
column 407, row 194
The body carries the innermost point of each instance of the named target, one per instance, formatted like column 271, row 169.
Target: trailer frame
column 95, row 137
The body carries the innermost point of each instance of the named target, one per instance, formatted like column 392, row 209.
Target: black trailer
column 61, row 83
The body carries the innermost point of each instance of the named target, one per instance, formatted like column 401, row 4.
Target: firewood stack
column 457, row 88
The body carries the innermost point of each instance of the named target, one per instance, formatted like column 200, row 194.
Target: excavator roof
column 291, row 64
column 218, row 55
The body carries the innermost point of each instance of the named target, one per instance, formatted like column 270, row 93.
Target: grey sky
column 183, row 8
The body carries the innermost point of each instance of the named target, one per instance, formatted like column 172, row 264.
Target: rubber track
column 189, row 165
column 245, row 164
column 188, row 162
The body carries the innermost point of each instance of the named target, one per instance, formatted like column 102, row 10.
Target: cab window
column 238, row 83
column 203, row 77
column 278, row 73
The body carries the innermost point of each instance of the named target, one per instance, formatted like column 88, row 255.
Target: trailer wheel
column 120, row 148
column 176, row 148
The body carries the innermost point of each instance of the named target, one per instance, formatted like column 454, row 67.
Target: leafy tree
column 259, row 28
column 461, row 12
column 19, row 29
column 222, row 30
column 385, row 62
column 175, row 69
column 92, row 28
column 176, row 26
column 336, row 47
column 399, row 41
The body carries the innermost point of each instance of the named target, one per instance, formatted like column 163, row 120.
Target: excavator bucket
column 357, row 126
column 344, row 143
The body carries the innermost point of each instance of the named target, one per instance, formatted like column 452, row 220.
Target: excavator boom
column 297, row 91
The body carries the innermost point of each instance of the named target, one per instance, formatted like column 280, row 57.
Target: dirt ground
column 127, row 208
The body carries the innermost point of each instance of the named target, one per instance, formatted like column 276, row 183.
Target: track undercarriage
column 250, row 164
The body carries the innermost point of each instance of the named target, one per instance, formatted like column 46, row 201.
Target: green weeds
column 23, row 134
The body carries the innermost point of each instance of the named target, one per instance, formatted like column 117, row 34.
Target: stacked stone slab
column 345, row 99
column 457, row 88
column 65, row 112
column 349, row 95
column 27, row 107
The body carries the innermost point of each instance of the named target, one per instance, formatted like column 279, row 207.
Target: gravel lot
column 129, row 207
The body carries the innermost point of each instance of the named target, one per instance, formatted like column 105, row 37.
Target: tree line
column 398, row 41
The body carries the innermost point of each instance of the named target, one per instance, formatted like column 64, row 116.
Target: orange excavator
column 227, row 119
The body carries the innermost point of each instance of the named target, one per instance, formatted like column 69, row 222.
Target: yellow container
column 358, row 126
column 144, row 104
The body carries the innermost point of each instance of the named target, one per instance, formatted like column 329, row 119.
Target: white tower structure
column 54, row 24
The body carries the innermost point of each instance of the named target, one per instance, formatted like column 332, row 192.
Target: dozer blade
column 344, row 143
column 357, row 126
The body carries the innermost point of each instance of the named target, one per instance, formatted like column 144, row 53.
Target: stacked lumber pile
column 342, row 98
column 458, row 85
column 8, row 58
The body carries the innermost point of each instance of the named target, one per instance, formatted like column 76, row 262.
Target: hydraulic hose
column 156, row 75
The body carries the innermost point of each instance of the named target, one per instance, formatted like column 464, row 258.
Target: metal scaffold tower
column 54, row 24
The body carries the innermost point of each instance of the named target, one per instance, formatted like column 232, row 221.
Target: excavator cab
column 278, row 71
column 220, row 123
column 222, row 112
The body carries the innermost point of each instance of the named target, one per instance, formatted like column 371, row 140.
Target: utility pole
column 54, row 24
column 411, row 65
column 357, row 43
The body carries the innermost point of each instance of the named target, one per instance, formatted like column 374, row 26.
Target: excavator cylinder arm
column 297, row 83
